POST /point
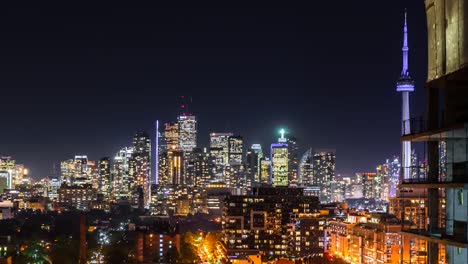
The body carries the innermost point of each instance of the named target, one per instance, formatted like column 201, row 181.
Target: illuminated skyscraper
column 221, row 140
column 324, row 173
column 7, row 173
column 394, row 174
column 104, row 186
column 19, row 175
column 257, row 148
column 76, row 171
column 279, row 164
column 219, row 150
column 306, row 172
column 140, row 165
column 120, row 173
column 171, row 135
column 235, row 176
column 369, row 183
column 293, row 165
column 235, row 146
column 199, row 168
column 252, row 168
column 187, row 132
column 265, row 171
column 176, row 173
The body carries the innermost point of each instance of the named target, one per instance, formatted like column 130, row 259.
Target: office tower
column 265, row 171
column 447, row 120
column 234, row 175
column 140, row 165
column 279, row 164
column 5, row 181
column 324, row 173
column 54, row 185
column 293, row 164
column 8, row 174
column 175, row 172
column 120, row 184
column 104, row 172
column 219, row 149
column 187, row 132
column 235, row 150
column 67, row 171
column 77, row 171
column 306, row 165
column 257, row 148
column 199, row 168
column 171, row 135
column 252, row 168
column 221, row 141
column 276, row 222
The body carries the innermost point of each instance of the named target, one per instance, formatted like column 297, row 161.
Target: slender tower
column 405, row 85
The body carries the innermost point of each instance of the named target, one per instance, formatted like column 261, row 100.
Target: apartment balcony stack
column 443, row 135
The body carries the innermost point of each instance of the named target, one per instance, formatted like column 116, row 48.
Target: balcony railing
column 419, row 124
column 459, row 174
column 440, row 235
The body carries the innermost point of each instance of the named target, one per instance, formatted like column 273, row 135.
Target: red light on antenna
column 183, row 106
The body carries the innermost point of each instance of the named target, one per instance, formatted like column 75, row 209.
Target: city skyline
column 306, row 133
column 95, row 113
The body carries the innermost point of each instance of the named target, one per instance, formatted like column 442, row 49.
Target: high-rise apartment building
column 276, row 222
column 140, row 166
column 121, row 181
column 394, row 174
column 104, row 172
column 447, row 121
column 324, row 173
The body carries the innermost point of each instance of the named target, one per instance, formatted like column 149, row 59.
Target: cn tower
column 405, row 85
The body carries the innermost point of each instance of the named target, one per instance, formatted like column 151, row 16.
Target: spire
column 404, row 70
column 405, row 83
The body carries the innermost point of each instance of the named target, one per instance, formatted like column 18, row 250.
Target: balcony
column 419, row 129
column 439, row 235
column 457, row 179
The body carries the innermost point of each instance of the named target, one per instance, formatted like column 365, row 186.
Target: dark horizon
column 83, row 81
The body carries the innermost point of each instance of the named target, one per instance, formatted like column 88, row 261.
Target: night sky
column 83, row 79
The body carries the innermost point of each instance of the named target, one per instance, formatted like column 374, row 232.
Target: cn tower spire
column 405, row 82
column 405, row 49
